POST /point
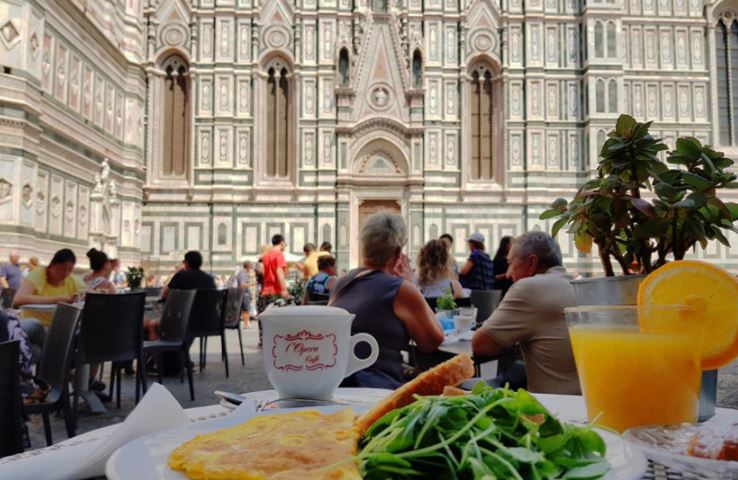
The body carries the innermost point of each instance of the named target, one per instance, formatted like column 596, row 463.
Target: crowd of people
column 388, row 294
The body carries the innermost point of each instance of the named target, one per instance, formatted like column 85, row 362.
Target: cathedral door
column 369, row 208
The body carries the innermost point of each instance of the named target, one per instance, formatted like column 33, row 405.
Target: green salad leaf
column 489, row 434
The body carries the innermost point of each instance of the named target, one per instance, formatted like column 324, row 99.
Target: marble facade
column 82, row 92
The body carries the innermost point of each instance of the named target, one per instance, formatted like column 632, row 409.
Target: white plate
column 146, row 458
column 668, row 446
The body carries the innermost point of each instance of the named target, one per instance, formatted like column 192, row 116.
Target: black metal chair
column 208, row 320
column 153, row 291
column 53, row 369
column 111, row 330
column 173, row 333
column 6, row 298
column 11, row 404
column 232, row 315
column 486, row 301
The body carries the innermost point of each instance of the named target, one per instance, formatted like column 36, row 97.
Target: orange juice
column 631, row 378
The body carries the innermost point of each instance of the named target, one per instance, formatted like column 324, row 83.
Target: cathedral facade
column 151, row 127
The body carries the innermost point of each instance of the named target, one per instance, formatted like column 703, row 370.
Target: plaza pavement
column 246, row 378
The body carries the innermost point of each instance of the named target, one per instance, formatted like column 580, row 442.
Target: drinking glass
column 637, row 365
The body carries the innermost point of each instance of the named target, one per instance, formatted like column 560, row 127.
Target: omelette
column 305, row 445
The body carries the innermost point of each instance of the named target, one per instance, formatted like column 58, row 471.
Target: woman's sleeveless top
column 371, row 298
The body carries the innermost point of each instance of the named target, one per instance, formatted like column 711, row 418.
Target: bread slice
column 449, row 391
column 431, row 382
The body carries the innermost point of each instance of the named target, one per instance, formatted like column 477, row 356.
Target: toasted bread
column 717, row 443
column 449, row 391
column 431, row 382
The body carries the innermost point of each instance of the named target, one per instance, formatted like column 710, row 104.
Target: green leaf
column 696, row 181
column 644, row 206
column 689, row 147
column 652, row 228
column 554, row 212
column 593, row 470
column 733, row 209
column 523, row 455
column 720, row 237
column 625, row 126
column 731, row 185
column 558, row 226
column 686, row 203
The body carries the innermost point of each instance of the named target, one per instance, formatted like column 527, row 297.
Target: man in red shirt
column 274, row 269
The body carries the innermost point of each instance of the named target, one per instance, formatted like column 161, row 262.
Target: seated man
column 322, row 282
column 532, row 314
column 188, row 278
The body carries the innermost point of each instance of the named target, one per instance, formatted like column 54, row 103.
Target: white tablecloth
column 567, row 408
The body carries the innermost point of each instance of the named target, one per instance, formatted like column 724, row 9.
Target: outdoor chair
column 11, row 404
column 153, row 291
column 111, row 330
column 232, row 316
column 6, row 298
column 208, row 320
column 53, row 369
column 173, row 333
column 486, row 301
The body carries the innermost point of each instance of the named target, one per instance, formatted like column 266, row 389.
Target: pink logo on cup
column 304, row 351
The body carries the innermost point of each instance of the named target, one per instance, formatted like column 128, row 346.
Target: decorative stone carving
column 6, row 190
column 35, row 45
column 40, row 203
column 10, row 34
column 27, row 195
column 243, row 148
column 174, row 35
column 206, row 96
column 82, row 215
column 205, row 148
column 380, row 97
column 277, row 37
column 55, row 207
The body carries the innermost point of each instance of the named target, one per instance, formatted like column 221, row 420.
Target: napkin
column 158, row 410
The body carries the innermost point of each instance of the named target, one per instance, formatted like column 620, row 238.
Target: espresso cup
column 308, row 350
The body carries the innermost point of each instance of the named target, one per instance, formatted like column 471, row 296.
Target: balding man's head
column 14, row 258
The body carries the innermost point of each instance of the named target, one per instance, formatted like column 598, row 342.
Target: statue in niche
column 112, row 190
column 101, row 179
column 343, row 67
column 417, row 70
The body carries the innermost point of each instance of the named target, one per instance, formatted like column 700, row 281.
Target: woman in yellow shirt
column 51, row 285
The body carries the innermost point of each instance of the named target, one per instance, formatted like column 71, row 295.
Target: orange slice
column 713, row 294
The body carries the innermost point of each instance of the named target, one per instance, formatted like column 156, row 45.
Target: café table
column 568, row 408
column 82, row 378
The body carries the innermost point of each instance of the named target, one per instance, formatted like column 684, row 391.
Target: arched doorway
column 369, row 207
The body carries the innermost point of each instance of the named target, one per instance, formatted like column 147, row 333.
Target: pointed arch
column 726, row 71
column 612, row 45
column 344, row 65
column 417, row 73
column 175, row 116
column 612, row 96
column 599, row 40
column 600, row 96
column 486, row 122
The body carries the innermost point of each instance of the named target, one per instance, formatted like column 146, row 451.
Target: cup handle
column 355, row 363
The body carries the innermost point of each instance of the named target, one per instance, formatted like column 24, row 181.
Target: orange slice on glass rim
column 712, row 292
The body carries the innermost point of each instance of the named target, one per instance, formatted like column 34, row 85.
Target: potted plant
column 681, row 210
column 446, row 308
column 134, row 277
column 641, row 212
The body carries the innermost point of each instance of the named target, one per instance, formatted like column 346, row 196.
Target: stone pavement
column 246, row 378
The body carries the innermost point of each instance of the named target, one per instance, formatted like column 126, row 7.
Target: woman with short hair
column 434, row 275
column 386, row 303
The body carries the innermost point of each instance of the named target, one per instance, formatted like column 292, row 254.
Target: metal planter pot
column 624, row 291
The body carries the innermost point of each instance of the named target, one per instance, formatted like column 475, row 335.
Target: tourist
column 99, row 280
column 322, row 282
column 51, row 285
column 326, row 247
column 243, row 281
column 190, row 277
column 310, row 266
column 478, row 272
column 448, row 242
column 10, row 273
column 274, row 271
column 502, row 282
column 386, row 303
column 33, row 263
column 532, row 315
column 434, row 276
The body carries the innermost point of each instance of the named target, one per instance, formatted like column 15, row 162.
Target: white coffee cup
column 463, row 323
column 308, row 350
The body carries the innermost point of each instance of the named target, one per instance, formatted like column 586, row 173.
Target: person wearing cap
column 478, row 273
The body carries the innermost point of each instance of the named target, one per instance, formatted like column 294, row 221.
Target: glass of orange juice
column 638, row 365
